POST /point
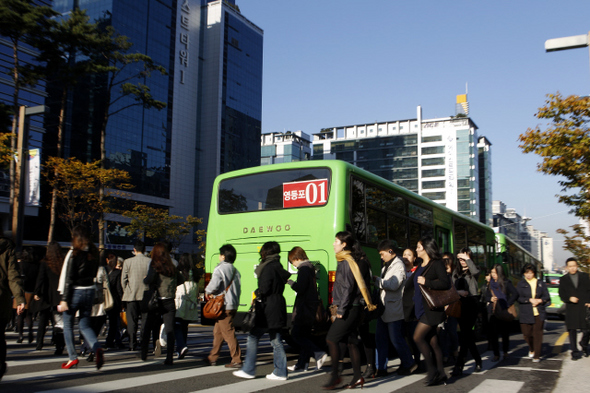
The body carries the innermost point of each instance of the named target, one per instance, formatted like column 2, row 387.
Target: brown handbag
column 215, row 306
column 437, row 298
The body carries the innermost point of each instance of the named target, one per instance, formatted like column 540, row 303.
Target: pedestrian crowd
column 424, row 304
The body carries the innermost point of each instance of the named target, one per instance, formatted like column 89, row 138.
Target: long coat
column 46, row 287
column 526, row 314
column 575, row 313
column 306, row 302
column 271, row 284
column 10, row 281
column 391, row 283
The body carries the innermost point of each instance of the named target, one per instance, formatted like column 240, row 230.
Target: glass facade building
column 29, row 96
column 212, row 91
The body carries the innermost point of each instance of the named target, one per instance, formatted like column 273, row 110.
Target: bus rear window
column 275, row 190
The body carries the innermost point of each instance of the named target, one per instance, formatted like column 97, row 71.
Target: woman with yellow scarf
column 353, row 275
column 533, row 296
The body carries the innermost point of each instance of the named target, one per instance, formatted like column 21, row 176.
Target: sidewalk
column 573, row 375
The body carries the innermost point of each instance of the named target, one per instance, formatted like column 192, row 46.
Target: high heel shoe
column 478, row 367
column 353, row 385
column 431, row 381
column 70, row 364
column 334, row 381
column 442, row 378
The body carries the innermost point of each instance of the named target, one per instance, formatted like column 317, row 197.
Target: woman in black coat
column 47, row 296
column 431, row 274
column 271, row 313
column 113, row 339
column 500, row 293
column 574, row 291
column 304, row 310
column 533, row 296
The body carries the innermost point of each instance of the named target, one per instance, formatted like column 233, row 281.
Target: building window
column 435, row 196
column 433, row 172
column 433, row 161
column 433, row 150
column 435, row 138
column 433, row 184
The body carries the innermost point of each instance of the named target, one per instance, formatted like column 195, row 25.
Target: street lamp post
column 565, row 43
column 18, row 214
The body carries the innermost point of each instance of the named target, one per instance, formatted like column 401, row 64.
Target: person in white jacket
column 224, row 274
column 390, row 326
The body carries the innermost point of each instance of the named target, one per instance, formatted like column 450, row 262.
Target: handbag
column 109, row 302
column 215, row 306
column 249, row 320
column 454, row 309
column 150, row 301
column 437, row 298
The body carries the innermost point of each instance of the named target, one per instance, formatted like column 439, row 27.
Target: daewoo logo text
column 267, row 229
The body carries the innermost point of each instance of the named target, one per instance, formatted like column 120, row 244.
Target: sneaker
column 242, row 374
column 234, row 365
column 531, row 354
column 536, row 360
column 320, row 362
column 295, row 367
column 183, row 353
column 275, row 377
column 158, row 349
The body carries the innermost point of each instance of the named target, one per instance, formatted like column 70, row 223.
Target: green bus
column 306, row 203
column 513, row 256
column 557, row 307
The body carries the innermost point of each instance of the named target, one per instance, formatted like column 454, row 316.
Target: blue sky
column 332, row 63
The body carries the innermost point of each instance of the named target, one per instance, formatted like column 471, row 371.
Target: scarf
column 496, row 291
column 533, row 284
column 345, row 255
column 263, row 264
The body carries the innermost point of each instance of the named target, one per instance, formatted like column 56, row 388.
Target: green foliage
column 77, row 188
column 565, row 150
column 577, row 244
column 157, row 224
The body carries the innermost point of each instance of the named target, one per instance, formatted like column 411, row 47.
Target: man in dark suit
column 134, row 271
column 574, row 291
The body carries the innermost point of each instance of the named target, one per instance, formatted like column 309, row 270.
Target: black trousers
column 498, row 327
column 133, row 312
column 467, row 320
column 167, row 311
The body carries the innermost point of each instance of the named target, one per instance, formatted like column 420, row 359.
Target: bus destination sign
column 305, row 193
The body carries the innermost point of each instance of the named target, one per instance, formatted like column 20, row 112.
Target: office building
column 213, row 96
column 278, row 147
column 436, row 158
column 29, row 96
column 484, row 156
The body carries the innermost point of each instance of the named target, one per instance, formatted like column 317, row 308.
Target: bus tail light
column 331, row 279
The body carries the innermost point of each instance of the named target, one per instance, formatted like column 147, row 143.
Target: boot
column 370, row 371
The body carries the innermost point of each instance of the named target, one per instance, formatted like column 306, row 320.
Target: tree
column 65, row 61
column 125, row 87
column 577, row 244
column 565, row 148
column 76, row 186
column 157, row 224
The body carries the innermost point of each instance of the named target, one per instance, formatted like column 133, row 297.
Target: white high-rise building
column 436, row 158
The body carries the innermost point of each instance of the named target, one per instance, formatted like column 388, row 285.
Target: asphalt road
column 39, row 371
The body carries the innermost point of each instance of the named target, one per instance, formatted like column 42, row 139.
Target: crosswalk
column 39, row 371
